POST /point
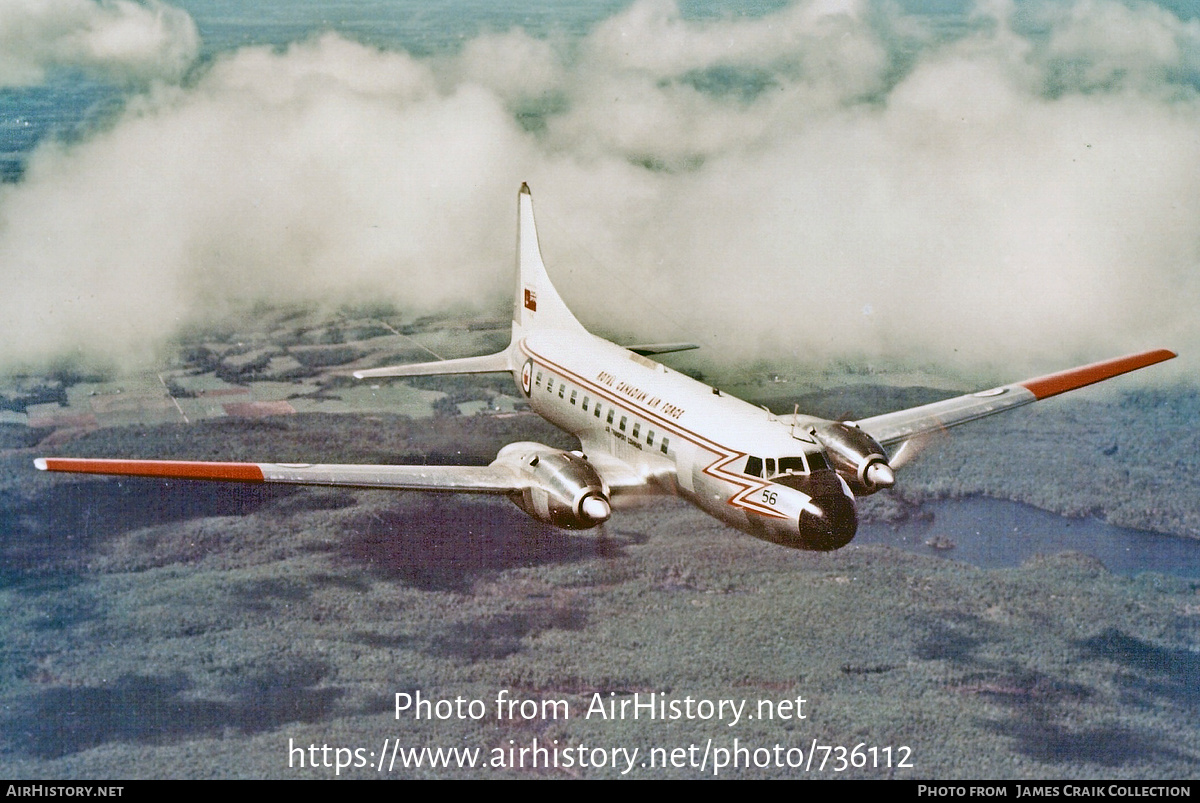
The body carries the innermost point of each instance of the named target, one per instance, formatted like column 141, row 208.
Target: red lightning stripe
column 716, row 469
column 1053, row 384
column 178, row 469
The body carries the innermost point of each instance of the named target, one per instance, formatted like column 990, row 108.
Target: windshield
column 772, row 467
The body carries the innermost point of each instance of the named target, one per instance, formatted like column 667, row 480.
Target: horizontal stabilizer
column 487, row 364
column 661, row 348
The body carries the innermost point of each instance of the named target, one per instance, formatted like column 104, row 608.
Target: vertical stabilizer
column 537, row 305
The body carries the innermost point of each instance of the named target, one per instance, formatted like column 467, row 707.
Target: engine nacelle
column 856, row 456
column 564, row 489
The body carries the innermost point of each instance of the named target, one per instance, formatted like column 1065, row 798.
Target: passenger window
column 650, row 438
column 624, row 418
column 637, row 428
column 538, row 381
column 663, row 448
column 585, row 403
column 754, row 466
column 598, row 406
column 610, row 415
column 549, row 384
column 573, row 394
column 562, row 388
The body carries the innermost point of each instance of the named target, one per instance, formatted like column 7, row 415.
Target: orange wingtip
column 1053, row 384
column 180, row 469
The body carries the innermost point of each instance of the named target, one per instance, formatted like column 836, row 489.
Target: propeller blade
column 909, row 449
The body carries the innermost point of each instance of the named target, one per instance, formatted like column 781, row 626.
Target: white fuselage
column 714, row 447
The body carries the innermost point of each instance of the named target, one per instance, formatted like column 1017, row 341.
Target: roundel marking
column 527, row 377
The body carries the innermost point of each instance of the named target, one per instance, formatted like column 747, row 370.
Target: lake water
column 993, row 534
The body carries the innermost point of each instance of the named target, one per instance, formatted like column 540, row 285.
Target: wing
column 493, row 479
column 497, row 478
column 624, row 479
column 902, row 425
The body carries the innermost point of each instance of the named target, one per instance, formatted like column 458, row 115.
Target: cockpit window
column 791, row 465
column 800, row 464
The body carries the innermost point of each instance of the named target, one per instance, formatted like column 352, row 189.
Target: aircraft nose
column 832, row 526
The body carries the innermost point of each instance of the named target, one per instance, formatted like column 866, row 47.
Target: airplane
column 645, row 429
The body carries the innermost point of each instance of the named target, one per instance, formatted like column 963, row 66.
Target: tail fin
column 537, row 305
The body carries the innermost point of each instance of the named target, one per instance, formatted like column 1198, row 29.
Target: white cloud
column 117, row 40
column 753, row 183
column 1105, row 44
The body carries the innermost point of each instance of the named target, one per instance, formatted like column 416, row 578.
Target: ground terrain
column 179, row 629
